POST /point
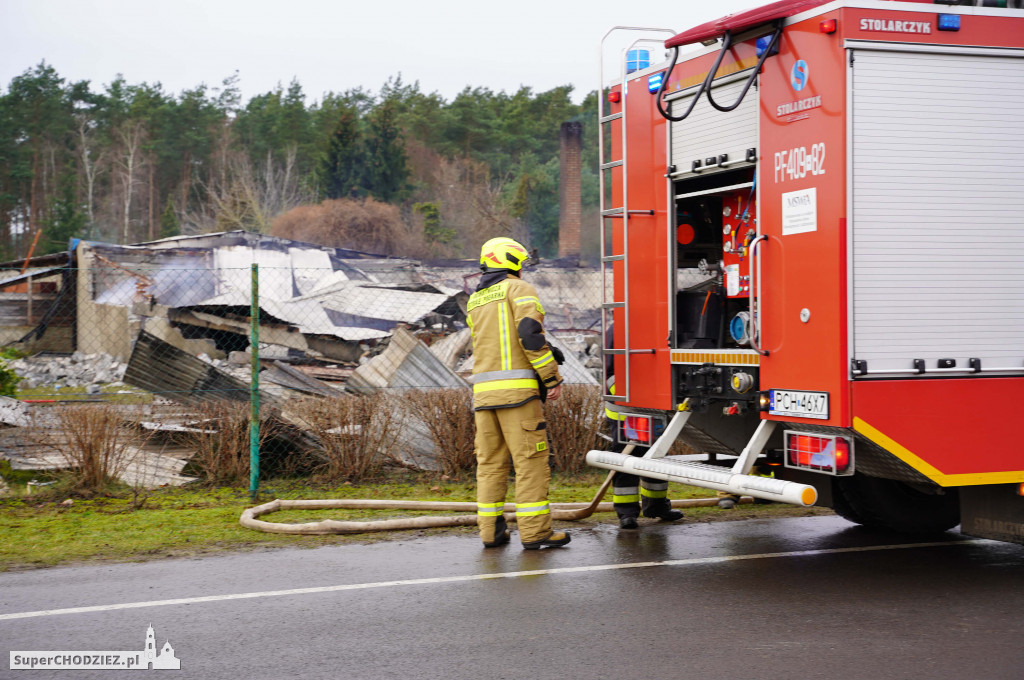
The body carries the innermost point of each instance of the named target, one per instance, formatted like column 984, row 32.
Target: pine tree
column 386, row 175
column 340, row 171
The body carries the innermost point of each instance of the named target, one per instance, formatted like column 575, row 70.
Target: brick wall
column 569, row 218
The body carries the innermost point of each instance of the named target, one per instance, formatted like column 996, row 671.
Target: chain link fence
column 361, row 362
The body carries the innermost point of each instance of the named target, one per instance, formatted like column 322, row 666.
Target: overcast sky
column 330, row 45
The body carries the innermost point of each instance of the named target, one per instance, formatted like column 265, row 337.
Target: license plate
column 798, row 404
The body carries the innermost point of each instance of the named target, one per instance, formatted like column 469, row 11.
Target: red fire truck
column 813, row 248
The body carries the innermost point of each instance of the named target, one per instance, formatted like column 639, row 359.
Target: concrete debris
column 4, row 489
column 71, row 371
column 14, row 413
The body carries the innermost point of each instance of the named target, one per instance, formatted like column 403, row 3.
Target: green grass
column 37, row 531
column 120, row 394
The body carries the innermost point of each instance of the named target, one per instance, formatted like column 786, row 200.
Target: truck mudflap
column 994, row 511
column 736, row 480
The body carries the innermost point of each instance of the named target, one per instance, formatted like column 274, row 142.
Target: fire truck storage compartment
column 937, row 209
column 709, row 133
column 711, row 211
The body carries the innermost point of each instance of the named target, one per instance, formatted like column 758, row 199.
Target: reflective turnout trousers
column 507, row 437
column 631, row 493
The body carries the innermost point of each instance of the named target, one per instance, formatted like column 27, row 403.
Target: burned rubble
column 175, row 318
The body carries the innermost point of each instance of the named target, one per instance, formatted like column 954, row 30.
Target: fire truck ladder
column 621, row 212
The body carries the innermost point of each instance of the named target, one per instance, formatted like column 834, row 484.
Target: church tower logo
column 165, row 660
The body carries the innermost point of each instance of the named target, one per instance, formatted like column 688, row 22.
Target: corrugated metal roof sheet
column 406, row 363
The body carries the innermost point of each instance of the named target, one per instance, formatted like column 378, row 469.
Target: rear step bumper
column 672, row 469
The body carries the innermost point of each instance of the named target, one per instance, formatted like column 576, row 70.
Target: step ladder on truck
column 811, row 229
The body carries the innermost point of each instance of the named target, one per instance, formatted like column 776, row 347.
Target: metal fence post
column 254, row 387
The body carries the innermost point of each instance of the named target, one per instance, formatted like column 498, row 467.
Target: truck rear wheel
column 889, row 504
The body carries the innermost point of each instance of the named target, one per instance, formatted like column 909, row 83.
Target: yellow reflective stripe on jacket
column 502, row 375
column 506, row 350
column 492, row 385
column 612, row 415
column 543, row 359
column 609, row 411
column 489, row 509
column 531, row 509
column 527, row 299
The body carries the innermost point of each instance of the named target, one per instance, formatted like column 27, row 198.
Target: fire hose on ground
column 559, row 511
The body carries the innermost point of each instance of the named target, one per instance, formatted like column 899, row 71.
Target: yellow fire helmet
column 503, row 253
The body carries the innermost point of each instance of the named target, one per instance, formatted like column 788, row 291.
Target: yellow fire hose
column 559, row 511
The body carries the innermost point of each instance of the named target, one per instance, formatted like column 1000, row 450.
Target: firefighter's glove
column 558, row 354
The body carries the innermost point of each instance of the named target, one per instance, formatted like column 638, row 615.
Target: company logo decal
column 798, row 106
column 890, row 26
column 799, row 75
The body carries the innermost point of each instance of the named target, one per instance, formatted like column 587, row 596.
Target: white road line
column 474, row 577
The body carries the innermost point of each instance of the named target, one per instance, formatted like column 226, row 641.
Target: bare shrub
column 358, row 434
column 219, row 435
column 358, row 224
column 97, row 443
column 574, row 426
column 448, row 415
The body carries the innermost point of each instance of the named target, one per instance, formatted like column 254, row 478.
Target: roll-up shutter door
column 708, row 132
column 938, row 209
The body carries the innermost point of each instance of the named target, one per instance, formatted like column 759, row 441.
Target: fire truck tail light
column 827, row 26
column 638, row 428
column 822, row 453
column 615, row 97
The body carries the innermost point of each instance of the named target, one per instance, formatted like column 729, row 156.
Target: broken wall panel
column 166, row 370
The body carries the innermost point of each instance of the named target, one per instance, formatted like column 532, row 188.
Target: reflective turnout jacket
column 510, row 353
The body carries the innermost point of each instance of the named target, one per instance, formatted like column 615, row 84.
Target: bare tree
column 131, row 135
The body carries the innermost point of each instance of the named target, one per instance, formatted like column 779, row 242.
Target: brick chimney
column 569, row 203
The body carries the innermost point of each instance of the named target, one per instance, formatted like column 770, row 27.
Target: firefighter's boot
column 660, row 508
column 556, row 539
column 654, row 501
column 501, row 534
column 628, row 514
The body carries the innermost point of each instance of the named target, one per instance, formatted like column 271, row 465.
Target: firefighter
column 513, row 366
column 632, row 495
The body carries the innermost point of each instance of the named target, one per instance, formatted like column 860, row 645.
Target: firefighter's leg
column 525, row 433
column 626, row 498
column 654, row 500
column 625, row 487
column 492, row 467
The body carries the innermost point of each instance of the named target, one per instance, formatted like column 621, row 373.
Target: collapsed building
column 175, row 317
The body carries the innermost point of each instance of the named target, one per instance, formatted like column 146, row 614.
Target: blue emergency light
column 654, row 81
column 949, row 22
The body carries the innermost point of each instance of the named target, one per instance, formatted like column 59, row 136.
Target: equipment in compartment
column 716, row 221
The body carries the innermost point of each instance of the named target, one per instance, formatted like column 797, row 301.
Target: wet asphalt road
column 810, row 597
